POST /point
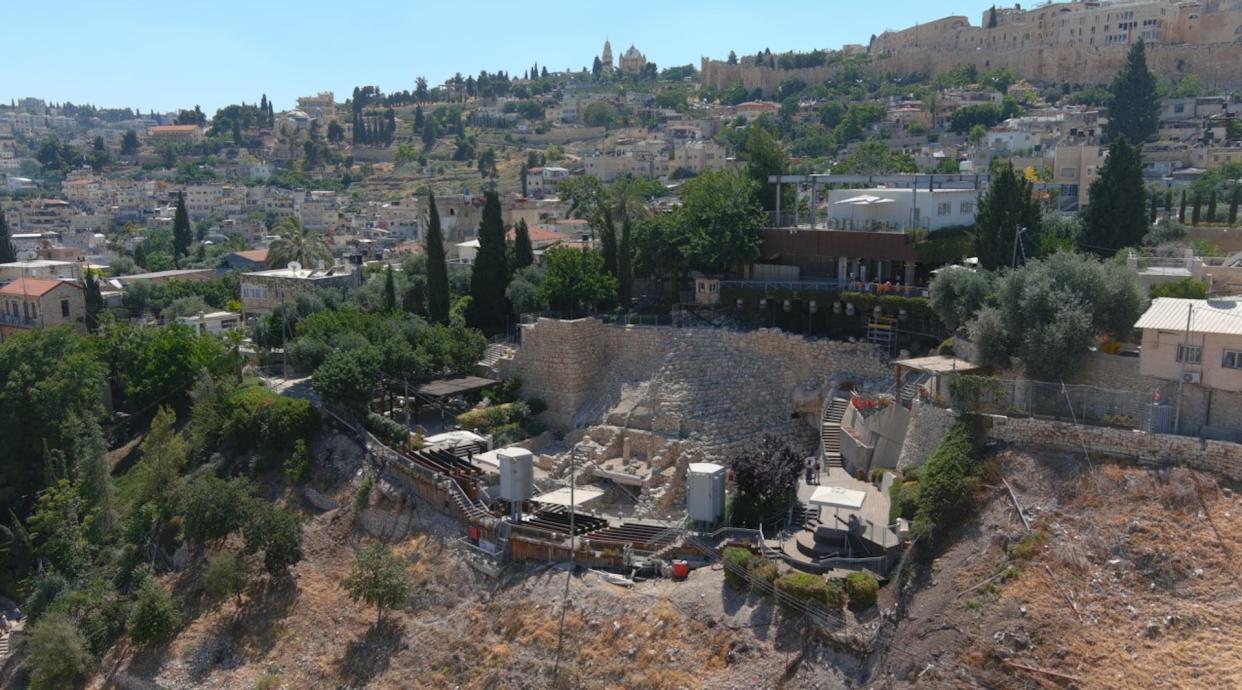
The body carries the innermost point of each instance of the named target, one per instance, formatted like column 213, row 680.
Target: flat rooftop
column 937, row 364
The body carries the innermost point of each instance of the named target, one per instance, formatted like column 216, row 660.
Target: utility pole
column 1017, row 238
column 1181, row 374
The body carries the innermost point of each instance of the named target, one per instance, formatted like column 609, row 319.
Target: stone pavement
column 874, row 511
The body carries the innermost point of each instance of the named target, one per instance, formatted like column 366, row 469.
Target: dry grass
column 1157, row 594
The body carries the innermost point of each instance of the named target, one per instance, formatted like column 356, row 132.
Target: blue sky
column 167, row 55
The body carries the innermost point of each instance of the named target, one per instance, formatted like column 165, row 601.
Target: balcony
column 18, row 321
column 803, row 220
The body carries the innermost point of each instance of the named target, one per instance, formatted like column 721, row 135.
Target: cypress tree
column 1134, row 111
column 1194, row 212
column 490, row 274
column 1181, row 209
column 182, row 234
column 1006, row 207
column 1116, row 214
column 1168, row 201
column 140, row 255
column 94, row 301
column 1233, row 204
column 437, row 269
column 523, row 253
column 1211, row 209
column 7, row 253
column 390, row 290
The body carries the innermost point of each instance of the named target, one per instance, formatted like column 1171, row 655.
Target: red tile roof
column 538, row 233
column 255, row 255
column 32, row 287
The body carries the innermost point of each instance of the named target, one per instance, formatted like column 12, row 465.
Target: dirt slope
column 1132, row 582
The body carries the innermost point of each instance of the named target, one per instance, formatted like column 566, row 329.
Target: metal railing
column 802, row 219
column 828, row 286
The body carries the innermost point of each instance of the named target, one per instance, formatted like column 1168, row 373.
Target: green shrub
column 811, row 588
column 862, row 589
column 391, row 432
column 762, row 570
column 363, row 495
column 155, row 615
column 57, row 656
column 947, row 482
column 1026, row 548
column 297, row 467
column 740, row 557
column 487, row 418
column 904, row 500
column 271, row 423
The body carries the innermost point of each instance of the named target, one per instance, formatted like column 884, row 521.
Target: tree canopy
column 490, row 274
column 1134, row 109
column 1116, row 213
column 1005, row 210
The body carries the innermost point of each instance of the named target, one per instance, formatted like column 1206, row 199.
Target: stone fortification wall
column 720, row 388
column 1212, row 63
column 1219, row 457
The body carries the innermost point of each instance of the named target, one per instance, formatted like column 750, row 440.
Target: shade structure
column 560, row 497
column 837, row 497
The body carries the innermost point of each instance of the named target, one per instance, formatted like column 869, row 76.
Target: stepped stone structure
column 721, row 389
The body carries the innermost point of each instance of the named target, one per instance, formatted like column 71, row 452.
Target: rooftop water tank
column 705, row 491
column 517, row 474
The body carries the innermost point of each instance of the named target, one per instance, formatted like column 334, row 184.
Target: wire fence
column 1072, row 402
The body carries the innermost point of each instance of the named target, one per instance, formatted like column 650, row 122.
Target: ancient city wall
column 1214, row 64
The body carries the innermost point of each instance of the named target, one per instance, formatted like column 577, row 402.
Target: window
column 64, row 308
column 1189, row 354
column 944, row 208
column 967, row 208
column 1232, row 359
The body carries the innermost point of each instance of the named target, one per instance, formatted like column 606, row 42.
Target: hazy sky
column 169, row 55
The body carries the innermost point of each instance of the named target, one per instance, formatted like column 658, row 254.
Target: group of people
column 811, row 468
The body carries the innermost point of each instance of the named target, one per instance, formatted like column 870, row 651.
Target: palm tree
column 298, row 244
column 625, row 200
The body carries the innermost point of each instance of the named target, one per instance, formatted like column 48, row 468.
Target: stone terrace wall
column 1219, row 457
column 928, row 424
column 720, row 387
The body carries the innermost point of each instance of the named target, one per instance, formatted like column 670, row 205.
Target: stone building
column 606, row 57
column 633, row 62
column 32, row 303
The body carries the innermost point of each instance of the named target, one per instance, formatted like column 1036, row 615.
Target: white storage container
column 517, row 475
column 705, row 491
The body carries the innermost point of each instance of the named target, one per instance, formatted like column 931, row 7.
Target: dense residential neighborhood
column 912, row 362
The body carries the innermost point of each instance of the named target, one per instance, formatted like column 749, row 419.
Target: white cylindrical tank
column 517, row 474
column 705, row 491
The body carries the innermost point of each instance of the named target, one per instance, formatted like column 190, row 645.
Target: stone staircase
column 910, row 389
column 830, row 432
column 494, row 353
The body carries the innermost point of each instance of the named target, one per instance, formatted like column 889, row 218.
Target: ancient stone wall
column 928, row 424
column 723, row 389
column 1219, row 457
column 1077, row 64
